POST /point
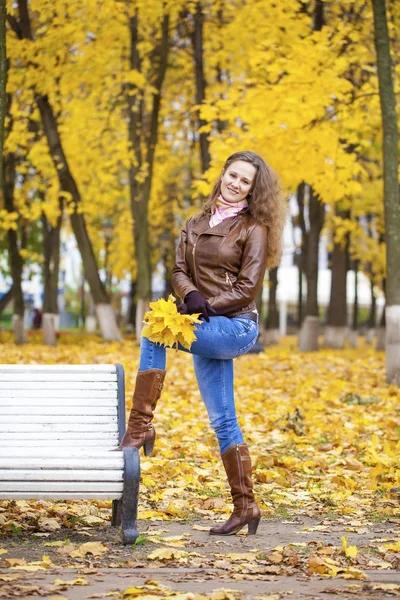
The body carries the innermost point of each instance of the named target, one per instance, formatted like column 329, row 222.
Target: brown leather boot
column 237, row 465
column 140, row 431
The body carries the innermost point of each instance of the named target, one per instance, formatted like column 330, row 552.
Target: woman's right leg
column 215, row 380
column 149, row 383
column 224, row 339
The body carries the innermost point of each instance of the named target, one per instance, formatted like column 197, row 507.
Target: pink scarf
column 225, row 209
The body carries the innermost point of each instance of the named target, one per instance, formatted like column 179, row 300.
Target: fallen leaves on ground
column 22, row 565
column 152, row 591
column 324, row 434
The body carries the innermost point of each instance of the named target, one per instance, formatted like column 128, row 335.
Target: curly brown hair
column 266, row 202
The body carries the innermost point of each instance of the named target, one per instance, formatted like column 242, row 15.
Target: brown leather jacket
column 225, row 263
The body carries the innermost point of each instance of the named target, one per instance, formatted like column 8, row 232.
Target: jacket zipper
column 194, row 260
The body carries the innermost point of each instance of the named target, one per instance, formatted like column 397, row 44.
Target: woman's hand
column 196, row 303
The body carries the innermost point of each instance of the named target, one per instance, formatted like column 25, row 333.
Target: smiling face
column 237, row 181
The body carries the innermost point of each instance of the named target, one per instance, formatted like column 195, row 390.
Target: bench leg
column 116, row 513
column 130, row 495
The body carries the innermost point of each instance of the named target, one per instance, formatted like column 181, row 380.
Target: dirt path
column 183, row 557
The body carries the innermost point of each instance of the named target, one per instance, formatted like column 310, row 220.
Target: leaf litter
column 324, row 437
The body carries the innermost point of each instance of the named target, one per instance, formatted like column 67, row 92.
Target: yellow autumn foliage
column 306, row 100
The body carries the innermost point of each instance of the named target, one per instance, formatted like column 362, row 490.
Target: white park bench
column 60, row 427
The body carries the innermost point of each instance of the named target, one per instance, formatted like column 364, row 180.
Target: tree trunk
column 3, row 81
column 308, row 337
column 372, row 315
column 391, row 190
column 105, row 313
column 68, row 185
column 6, row 299
column 354, row 321
column 309, row 332
column 372, row 312
column 381, row 331
column 7, row 182
column 90, row 316
column 271, row 335
column 16, row 263
column 198, row 52
column 318, row 21
column 336, row 330
column 300, row 269
column 51, row 239
column 140, row 136
column 301, row 258
column 131, row 317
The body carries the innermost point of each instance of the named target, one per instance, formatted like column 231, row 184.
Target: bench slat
column 61, row 451
column 21, row 384
column 35, row 487
column 99, row 495
column 51, row 411
column 8, row 421
column 52, row 444
column 61, row 463
column 57, row 377
column 58, row 437
column 49, row 429
column 14, row 368
column 48, row 396
column 44, row 475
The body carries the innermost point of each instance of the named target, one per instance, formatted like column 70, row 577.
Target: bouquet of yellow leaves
column 164, row 325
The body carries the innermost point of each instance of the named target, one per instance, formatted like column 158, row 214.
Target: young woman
column 219, row 270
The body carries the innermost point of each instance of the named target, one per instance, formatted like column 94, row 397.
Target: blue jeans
column 218, row 343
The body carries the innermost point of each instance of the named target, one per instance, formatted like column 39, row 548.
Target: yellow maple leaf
column 39, row 565
column 9, row 577
column 393, row 547
column 349, row 551
column 77, row 581
column 165, row 325
column 95, row 548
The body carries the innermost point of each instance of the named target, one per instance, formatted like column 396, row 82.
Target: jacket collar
column 223, row 228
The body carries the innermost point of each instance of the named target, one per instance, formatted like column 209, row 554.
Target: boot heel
column 148, row 447
column 253, row 526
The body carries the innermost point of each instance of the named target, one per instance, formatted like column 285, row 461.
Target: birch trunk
column 390, row 189
column 3, row 81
